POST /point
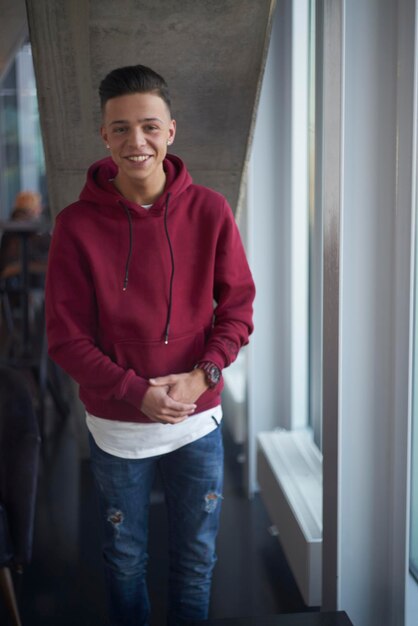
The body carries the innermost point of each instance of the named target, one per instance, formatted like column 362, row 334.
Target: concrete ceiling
column 14, row 30
column 212, row 55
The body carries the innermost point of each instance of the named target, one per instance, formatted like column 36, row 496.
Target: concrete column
column 212, row 55
column 13, row 30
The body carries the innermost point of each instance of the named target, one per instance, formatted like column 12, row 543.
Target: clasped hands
column 170, row 399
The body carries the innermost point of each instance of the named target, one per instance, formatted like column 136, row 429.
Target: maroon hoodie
column 134, row 294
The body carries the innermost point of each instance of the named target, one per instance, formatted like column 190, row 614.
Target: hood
column 99, row 190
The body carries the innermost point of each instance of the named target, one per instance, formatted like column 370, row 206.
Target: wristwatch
column 212, row 372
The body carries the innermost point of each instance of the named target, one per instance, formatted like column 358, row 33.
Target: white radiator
column 290, row 479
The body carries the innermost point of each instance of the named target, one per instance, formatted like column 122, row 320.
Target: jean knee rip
column 211, row 501
column 115, row 517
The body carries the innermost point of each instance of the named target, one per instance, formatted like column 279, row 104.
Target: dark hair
column 133, row 79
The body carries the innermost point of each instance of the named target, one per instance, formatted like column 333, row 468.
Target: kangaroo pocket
column 150, row 359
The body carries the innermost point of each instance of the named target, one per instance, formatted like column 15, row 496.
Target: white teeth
column 137, row 159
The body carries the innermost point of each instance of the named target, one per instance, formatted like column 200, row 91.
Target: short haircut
column 133, row 79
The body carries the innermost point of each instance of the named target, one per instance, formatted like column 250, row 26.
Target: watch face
column 214, row 374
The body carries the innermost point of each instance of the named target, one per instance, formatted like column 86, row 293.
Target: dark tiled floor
column 63, row 584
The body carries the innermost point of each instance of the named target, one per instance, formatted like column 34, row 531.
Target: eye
column 151, row 128
column 118, row 130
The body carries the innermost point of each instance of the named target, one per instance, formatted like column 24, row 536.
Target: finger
column 171, row 417
column 174, row 413
column 160, row 381
column 172, row 410
column 175, row 406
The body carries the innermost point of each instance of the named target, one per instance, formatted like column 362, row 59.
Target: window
column 413, row 555
column 22, row 164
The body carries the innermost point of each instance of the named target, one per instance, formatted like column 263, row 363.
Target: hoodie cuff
column 214, row 357
column 135, row 391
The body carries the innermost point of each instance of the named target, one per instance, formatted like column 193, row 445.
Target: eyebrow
column 145, row 119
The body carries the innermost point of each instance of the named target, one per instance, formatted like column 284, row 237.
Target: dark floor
column 63, row 584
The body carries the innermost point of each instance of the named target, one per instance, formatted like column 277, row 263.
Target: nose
column 137, row 137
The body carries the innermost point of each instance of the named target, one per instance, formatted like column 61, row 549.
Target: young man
column 135, row 268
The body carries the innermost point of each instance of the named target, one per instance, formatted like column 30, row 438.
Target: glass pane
column 414, row 468
column 9, row 142
column 315, row 249
column 22, row 165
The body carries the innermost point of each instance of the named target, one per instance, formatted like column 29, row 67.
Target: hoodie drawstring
column 170, row 295
column 128, row 262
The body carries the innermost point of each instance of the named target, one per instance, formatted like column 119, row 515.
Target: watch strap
column 212, row 372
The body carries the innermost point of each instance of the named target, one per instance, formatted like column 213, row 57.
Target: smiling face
column 137, row 129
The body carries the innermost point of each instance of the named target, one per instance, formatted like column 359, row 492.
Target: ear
column 104, row 135
column 172, row 131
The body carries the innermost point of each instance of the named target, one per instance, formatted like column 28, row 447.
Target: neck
column 138, row 191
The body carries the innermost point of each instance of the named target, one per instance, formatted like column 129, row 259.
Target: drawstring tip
column 166, row 340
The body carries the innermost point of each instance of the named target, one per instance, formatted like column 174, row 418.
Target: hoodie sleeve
column 72, row 320
column 234, row 293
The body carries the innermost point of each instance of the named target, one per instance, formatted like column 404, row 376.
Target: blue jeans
column 192, row 478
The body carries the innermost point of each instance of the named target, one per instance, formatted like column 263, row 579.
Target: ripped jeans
column 192, row 478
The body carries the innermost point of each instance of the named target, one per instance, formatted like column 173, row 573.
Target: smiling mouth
column 139, row 159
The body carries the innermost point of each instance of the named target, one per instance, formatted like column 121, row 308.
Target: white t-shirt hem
column 131, row 440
